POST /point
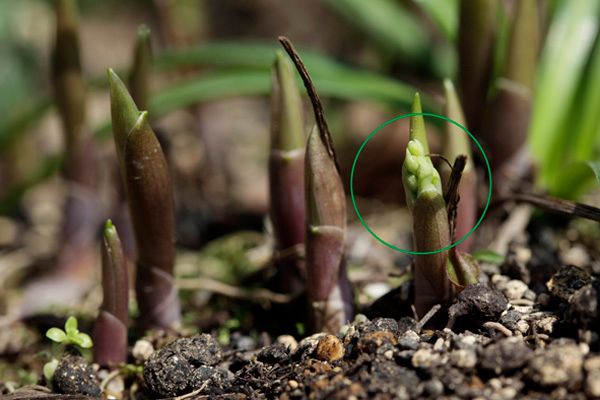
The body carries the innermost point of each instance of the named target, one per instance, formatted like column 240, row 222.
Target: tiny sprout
column 70, row 336
column 50, row 367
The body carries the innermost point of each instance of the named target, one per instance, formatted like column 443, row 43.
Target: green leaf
column 387, row 23
column 462, row 269
column 56, row 335
column 595, row 166
column 565, row 54
column 49, row 369
column 71, row 327
column 83, row 340
column 586, row 118
column 444, row 14
column 488, row 256
column 575, row 178
column 347, row 84
column 238, row 54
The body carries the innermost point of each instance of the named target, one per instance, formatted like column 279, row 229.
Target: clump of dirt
column 74, row 376
column 184, row 365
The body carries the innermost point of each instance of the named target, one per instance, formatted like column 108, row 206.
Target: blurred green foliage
column 418, row 35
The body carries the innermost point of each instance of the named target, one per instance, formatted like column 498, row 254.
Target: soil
column 504, row 339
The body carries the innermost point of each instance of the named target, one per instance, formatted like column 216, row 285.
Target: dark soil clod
column 275, row 354
column 180, row 366
column 74, row 376
column 479, row 302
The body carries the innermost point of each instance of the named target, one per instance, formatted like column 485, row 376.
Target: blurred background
column 533, row 85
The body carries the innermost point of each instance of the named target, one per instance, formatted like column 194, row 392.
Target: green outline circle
column 391, row 246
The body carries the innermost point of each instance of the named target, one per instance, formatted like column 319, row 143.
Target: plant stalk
column 110, row 329
column 456, row 142
column 148, row 185
column 431, row 231
column 329, row 291
column 286, row 173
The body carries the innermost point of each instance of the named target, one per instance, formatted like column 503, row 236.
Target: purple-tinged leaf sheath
column 330, row 303
column 431, row 232
column 508, row 114
column 151, row 206
column 110, row 329
column 139, row 78
column 286, row 171
column 476, row 38
column 455, row 142
column 69, row 86
column 149, row 192
column 69, row 93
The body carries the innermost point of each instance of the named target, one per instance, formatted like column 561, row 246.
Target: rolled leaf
column 424, row 197
column 327, row 283
column 148, row 185
column 455, row 142
column 476, row 38
column 139, row 79
column 286, row 171
column 508, row 115
column 68, row 81
column 463, row 269
column 110, row 329
column 417, row 123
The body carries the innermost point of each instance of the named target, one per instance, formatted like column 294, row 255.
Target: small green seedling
column 70, row 336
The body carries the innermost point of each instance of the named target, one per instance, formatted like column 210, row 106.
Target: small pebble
column 577, row 256
column 522, row 327
column 529, row 295
column 409, row 340
column 360, row 319
column 288, row 341
column 330, row 348
column 307, row 346
column 505, row 355
column 439, row 345
column 434, row 388
column 426, row 358
column 546, row 324
column 510, row 319
column 293, row 384
column 592, row 382
column 142, row 350
column 523, row 255
column 463, row 358
column 557, row 365
column 515, row 289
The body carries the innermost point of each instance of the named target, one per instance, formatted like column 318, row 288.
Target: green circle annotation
column 363, row 222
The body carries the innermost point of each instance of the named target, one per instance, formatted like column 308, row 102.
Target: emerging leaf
column 147, row 181
column 71, row 327
column 56, row 335
column 83, row 340
column 463, row 270
column 139, row 79
column 49, row 369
